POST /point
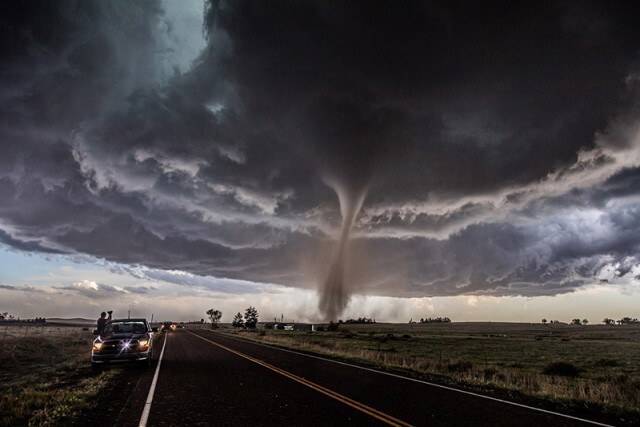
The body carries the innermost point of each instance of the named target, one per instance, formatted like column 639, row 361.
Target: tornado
column 335, row 292
column 349, row 142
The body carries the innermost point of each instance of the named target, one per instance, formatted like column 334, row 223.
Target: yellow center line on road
column 388, row 419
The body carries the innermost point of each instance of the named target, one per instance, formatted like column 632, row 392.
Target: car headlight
column 97, row 345
column 144, row 343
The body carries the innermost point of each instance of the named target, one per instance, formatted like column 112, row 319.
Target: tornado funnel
column 335, row 291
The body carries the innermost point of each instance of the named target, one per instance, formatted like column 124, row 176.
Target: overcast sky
column 176, row 156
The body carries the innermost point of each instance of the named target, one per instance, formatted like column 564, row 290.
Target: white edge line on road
column 152, row 389
column 424, row 382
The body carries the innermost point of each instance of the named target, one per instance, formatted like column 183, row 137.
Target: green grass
column 592, row 366
column 45, row 376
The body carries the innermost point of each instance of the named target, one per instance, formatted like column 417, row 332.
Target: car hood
column 123, row 336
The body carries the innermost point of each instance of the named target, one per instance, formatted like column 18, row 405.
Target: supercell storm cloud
column 408, row 148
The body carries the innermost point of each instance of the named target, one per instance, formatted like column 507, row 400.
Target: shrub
column 460, row 367
column 607, row 363
column 564, row 369
column 490, row 373
column 333, row 327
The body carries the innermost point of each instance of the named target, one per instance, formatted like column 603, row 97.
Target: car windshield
column 126, row 327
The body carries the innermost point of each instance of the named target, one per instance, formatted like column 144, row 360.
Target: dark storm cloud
column 496, row 143
column 468, row 95
column 27, row 246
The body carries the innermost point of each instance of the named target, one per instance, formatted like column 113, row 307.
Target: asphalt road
column 207, row 379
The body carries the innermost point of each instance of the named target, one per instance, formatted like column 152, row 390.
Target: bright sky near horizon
column 57, row 286
column 480, row 160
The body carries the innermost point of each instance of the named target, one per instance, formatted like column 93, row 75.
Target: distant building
column 307, row 327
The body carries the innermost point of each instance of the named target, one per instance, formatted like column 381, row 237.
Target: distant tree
column 251, row 317
column 576, row 322
column 544, row 321
column 215, row 316
column 333, row 327
column 585, row 321
column 238, row 321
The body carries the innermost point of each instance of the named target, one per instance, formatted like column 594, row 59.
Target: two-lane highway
column 209, row 379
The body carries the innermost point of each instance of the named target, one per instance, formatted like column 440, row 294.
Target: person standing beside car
column 103, row 321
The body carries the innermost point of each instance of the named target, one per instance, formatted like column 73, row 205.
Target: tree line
column 436, row 320
column 248, row 321
column 623, row 321
column 359, row 320
column 606, row 321
column 9, row 318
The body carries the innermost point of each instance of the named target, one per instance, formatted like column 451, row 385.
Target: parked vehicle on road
column 124, row 340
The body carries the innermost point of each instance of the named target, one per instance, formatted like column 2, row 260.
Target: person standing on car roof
column 102, row 321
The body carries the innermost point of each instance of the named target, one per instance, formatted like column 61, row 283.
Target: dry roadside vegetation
column 593, row 367
column 45, row 375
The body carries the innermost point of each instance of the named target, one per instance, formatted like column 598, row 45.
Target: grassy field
column 596, row 367
column 46, row 379
column 45, row 375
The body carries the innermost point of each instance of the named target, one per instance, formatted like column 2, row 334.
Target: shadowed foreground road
column 208, row 379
